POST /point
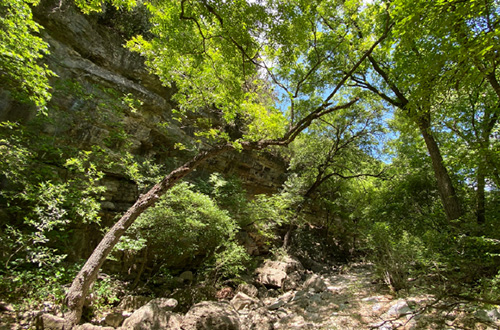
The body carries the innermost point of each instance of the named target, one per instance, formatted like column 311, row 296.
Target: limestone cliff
column 96, row 76
column 103, row 96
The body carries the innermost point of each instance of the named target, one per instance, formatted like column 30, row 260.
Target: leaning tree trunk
column 87, row 275
column 445, row 187
column 79, row 289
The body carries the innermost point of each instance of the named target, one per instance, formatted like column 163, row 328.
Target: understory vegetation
column 384, row 112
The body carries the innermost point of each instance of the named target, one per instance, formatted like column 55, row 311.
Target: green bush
column 45, row 192
column 227, row 263
column 37, row 288
column 396, row 257
column 187, row 227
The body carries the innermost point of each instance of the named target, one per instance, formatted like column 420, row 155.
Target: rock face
column 88, row 107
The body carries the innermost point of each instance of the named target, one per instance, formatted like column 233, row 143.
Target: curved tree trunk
column 79, row 289
column 75, row 297
column 447, row 193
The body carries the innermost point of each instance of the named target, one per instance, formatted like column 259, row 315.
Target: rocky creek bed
column 284, row 295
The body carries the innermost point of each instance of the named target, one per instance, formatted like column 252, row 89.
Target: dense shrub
column 188, row 228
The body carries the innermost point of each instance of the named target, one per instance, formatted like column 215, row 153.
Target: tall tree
column 408, row 73
column 462, row 36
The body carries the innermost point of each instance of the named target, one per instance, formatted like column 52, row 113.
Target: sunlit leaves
column 89, row 6
column 264, row 123
column 20, row 52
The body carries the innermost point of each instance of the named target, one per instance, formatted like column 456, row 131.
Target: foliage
column 144, row 172
column 200, row 46
column 268, row 213
column 37, row 288
column 192, row 227
column 227, row 263
column 40, row 205
column 414, row 240
column 245, row 72
column 229, row 195
column 20, row 52
column 104, row 295
column 396, row 256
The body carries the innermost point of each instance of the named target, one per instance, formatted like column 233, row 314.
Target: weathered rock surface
column 315, row 283
column 51, row 322
column 155, row 315
column 258, row 319
column 209, row 315
column 131, row 303
column 114, row 319
column 248, row 289
column 335, row 300
column 88, row 326
column 186, row 276
column 274, row 273
column 269, row 276
column 241, row 301
column 398, row 308
column 94, row 72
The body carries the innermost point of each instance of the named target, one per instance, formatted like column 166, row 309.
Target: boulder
column 51, row 322
column 398, row 308
column 315, row 283
column 211, row 315
column 167, row 304
column 113, row 319
column 186, row 276
column 276, row 305
column 260, row 319
column 4, row 307
column 226, row 293
column 248, row 289
column 271, row 277
column 88, row 326
column 488, row 316
column 131, row 303
column 292, row 265
column 292, row 281
column 155, row 315
column 242, row 301
column 273, row 273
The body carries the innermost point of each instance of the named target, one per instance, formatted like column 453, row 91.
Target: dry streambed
column 286, row 296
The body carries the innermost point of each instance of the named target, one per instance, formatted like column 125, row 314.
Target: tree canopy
column 331, row 80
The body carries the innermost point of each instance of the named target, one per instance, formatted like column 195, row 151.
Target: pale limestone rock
column 210, row 315
column 241, row 301
column 155, row 315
